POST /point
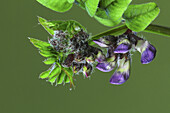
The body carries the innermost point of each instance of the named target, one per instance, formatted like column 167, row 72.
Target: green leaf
column 57, row 5
column 67, row 79
column 80, row 3
column 71, row 1
column 138, row 17
column 102, row 17
column 47, row 53
column 44, row 74
column 61, row 77
column 91, row 6
column 116, row 9
column 56, row 70
column 53, row 79
column 111, row 11
column 43, row 22
column 50, row 60
column 40, row 44
column 105, row 3
column 70, row 26
column 69, row 74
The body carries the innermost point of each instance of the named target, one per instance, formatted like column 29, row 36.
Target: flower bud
column 100, row 57
column 77, row 67
column 87, row 69
column 101, row 43
column 90, row 59
column 68, row 61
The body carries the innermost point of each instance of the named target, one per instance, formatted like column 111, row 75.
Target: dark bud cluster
column 78, row 54
column 59, row 41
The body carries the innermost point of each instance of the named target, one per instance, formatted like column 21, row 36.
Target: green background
column 146, row 91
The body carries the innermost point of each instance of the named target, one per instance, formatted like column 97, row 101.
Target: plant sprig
column 69, row 50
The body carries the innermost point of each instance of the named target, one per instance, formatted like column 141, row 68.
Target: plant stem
column 155, row 29
column 160, row 30
column 114, row 31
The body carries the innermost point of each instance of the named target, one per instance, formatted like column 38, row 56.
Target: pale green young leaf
column 138, row 17
column 44, row 74
column 40, row 44
column 53, row 79
column 67, row 79
column 56, row 70
column 61, row 77
column 91, row 6
column 47, row 53
column 69, row 26
column 43, row 22
column 50, row 60
column 57, row 5
column 69, row 74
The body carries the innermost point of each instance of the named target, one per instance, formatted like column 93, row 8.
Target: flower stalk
column 155, row 29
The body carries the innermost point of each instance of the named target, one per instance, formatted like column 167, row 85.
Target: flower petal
column 148, row 51
column 101, row 44
column 148, row 54
column 119, row 78
column 106, row 67
column 122, row 48
column 122, row 74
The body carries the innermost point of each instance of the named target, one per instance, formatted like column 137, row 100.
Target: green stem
column 160, row 30
column 155, row 29
column 114, row 31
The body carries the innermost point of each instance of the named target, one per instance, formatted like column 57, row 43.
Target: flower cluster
column 119, row 54
column 78, row 54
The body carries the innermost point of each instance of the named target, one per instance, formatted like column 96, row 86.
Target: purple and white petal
column 119, row 78
column 101, row 44
column 148, row 54
column 148, row 51
column 122, row 48
column 105, row 67
column 122, row 74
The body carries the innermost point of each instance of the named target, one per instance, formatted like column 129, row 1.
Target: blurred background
column 146, row 91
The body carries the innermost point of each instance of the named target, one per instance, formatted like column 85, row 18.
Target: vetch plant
column 71, row 50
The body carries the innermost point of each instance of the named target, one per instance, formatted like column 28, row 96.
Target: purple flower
column 101, row 44
column 123, row 46
column 122, row 74
column 119, row 78
column 118, row 53
column 148, row 51
column 106, row 67
column 105, row 41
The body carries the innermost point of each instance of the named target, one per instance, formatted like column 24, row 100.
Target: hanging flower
column 118, row 53
column 122, row 73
